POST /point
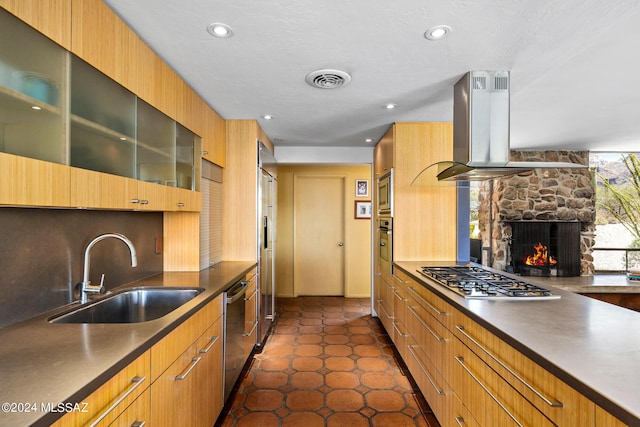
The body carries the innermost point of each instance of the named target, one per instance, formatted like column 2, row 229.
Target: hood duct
column 481, row 133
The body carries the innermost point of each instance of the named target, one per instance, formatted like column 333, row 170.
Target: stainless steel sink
column 130, row 306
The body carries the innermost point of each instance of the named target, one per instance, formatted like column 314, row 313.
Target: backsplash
column 41, row 255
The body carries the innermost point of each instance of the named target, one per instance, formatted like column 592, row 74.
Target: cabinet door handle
column 187, row 371
column 144, row 202
column 549, row 401
column 248, row 334
column 424, row 325
column 139, row 424
column 460, row 360
column 135, row 383
column 212, row 342
column 460, row 421
column 397, row 295
column 425, row 302
column 395, row 326
column 135, row 200
column 181, row 205
column 204, row 153
column 439, row 391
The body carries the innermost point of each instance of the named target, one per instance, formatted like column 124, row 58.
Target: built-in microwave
column 385, row 194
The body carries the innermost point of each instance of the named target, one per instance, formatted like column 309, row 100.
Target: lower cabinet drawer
column 137, row 414
column 489, row 398
column 432, row 384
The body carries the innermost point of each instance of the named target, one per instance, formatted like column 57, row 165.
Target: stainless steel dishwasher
column 233, row 343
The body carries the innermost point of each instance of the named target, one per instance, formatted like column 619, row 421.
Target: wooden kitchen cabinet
column 383, row 155
column 50, row 17
column 118, row 395
column 30, row 182
column 239, row 199
column 469, row 376
column 251, row 314
column 605, row 419
column 187, row 371
column 214, row 137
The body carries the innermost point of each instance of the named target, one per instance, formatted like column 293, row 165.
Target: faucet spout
column 86, row 287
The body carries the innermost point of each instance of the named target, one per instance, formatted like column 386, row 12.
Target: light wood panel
column 190, row 108
column 138, row 412
column 605, row 419
column 98, row 190
column 239, row 197
column 100, row 400
column 181, row 241
column 51, row 17
column 102, row 39
column 157, row 83
column 214, row 137
column 424, row 224
column 30, row 182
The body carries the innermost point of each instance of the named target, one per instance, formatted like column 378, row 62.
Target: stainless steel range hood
column 481, row 133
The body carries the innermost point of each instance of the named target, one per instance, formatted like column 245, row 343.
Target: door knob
column 340, row 244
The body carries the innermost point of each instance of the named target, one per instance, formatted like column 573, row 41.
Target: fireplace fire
column 541, row 257
column 545, row 248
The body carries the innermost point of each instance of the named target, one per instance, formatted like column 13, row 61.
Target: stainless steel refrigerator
column 267, row 192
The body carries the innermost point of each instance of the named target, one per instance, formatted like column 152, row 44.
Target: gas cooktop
column 477, row 282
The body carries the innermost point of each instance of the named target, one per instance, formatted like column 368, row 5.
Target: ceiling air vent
column 328, row 78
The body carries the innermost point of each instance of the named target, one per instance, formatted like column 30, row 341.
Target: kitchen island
column 45, row 364
column 591, row 346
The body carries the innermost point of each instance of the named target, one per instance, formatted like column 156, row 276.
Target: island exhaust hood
column 481, row 133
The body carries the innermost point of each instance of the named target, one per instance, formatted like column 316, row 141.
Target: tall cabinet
column 424, row 218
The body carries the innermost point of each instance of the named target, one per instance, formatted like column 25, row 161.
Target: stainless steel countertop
column 42, row 362
column 591, row 345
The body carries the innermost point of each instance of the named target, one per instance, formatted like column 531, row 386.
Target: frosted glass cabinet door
column 102, row 122
column 32, row 91
column 156, row 146
column 185, row 146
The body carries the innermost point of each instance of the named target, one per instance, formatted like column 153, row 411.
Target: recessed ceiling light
column 391, row 106
column 438, row 32
column 35, row 107
column 219, row 30
column 368, row 140
column 267, row 117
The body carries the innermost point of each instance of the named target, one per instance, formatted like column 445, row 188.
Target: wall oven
column 385, row 194
column 385, row 245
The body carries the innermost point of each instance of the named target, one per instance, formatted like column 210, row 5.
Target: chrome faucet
column 86, row 287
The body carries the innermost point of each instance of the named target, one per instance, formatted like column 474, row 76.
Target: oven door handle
column 237, row 292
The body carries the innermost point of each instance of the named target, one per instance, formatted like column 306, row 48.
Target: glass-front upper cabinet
column 156, row 146
column 103, row 122
column 33, row 74
column 185, row 154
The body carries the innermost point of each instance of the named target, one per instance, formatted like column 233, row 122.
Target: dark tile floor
column 326, row 363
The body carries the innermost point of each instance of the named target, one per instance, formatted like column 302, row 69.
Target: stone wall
column 539, row 195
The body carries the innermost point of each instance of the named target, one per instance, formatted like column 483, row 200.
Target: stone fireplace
column 544, row 196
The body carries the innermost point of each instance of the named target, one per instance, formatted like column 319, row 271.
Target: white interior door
column 318, row 235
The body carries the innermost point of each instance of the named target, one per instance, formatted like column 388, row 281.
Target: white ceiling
column 575, row 64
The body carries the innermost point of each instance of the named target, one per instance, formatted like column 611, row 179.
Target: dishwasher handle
column 236, row 292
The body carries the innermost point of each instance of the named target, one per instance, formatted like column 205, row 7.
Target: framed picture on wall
column 362, row 188
column 363, row 209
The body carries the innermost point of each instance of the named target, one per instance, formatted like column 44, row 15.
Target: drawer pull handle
column 214, row 340
column 398, row 278
column 144, row 202
column 386, row 313
column 424, row 370
column 180, row 205
column 395, row 326
column 387, row 285
column 187, row 371
column 139, row 424
column 424, row 325
column 397, row 295
column 135, row 383
column 204, row 153
column 551, row 402
column 460, row 360
column 248, row 334
column 252, row 295
column 460, row 421
column 425, row 302
column 135, row 200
